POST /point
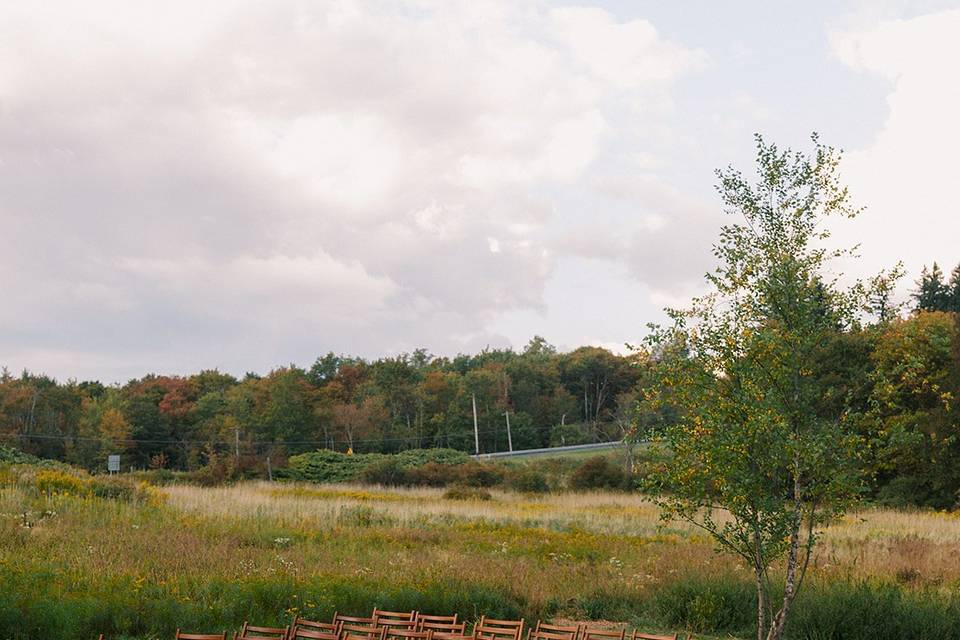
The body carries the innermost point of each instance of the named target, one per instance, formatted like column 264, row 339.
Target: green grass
column 206, row 559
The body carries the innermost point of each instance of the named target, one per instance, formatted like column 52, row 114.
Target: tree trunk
column 761, row 604
column 789, row 593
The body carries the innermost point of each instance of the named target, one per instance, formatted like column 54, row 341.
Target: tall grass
column 208, row 558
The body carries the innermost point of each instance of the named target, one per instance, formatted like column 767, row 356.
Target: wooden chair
column 649, row 636
column 362, row 632
column 394, row 633
column 401, row 619
column 314, row 625
column 490, row 629
column 441, row 635
column 546, row 635
column 250, row 632
column 601, row 634
column 570, row 632
column 425, row 619
column 300, row 632
column 443, row 627
column 354, row 620
column 200, row 636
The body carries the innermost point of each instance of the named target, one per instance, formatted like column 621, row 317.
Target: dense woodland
column 900, row 371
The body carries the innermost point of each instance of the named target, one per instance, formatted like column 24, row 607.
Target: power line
column 66, row 438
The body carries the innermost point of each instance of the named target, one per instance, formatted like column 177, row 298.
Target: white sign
column 113, row 463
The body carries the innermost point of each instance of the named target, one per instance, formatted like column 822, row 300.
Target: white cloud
column 907, row 175
column 261, row 180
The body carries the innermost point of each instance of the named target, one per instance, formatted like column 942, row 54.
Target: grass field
column 208, row 558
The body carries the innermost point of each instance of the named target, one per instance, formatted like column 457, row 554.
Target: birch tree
column 756, row 460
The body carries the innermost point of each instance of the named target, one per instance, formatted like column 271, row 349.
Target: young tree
column 756, row 461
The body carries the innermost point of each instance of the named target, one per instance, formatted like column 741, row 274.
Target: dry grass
column 913, row 547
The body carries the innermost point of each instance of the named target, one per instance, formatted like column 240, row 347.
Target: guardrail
column 532, row 452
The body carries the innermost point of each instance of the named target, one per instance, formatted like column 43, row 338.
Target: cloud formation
column 907, row 175
column 239, row 184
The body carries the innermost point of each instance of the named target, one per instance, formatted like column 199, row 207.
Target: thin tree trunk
column 789, row 593
column 761, row 604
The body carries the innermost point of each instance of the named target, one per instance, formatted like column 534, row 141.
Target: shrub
column 714, row 603
column 481, row 474
column 433, row 467
column 56, row 482
column 529, row 481
column 113, row 488
column 387, row 471
column 329, row 466
column 10, row 455
column 434, row 474
column 419, row 457
column 467, row 493
column 218, row 470
column 598, row 472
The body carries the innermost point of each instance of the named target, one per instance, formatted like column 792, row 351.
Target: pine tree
column 932, row 293
column 953, row 290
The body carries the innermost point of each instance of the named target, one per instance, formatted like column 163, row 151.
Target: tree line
column 899, row 375
column 341, row 403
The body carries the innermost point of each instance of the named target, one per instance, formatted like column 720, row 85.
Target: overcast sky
column 199, row 184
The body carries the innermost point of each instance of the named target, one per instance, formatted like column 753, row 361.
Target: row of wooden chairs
column 412, row 625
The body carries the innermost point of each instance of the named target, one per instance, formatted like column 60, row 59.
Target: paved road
column 534, row 452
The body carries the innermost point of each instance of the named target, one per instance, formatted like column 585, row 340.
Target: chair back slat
column 338, row 617
column 427, row 618
column 601, row 634
column 493, row 629
column 390, row 623
column 443, row 627
column 200, row 636
column 649, row 636
column 408, row 634
column 330, row 627
column 571, row 632
column 441, row 635
column 251, row 631
column 362, row 632
column 406, row 616
column 546, row 635
column 304, row 633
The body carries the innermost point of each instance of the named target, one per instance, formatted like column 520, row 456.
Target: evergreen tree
column 953, row 291
column 932, row 293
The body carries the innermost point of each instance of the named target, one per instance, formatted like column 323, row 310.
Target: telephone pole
column 509, row 438
column 476, row 431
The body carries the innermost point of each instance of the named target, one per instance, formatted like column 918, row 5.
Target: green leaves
column 758, row 461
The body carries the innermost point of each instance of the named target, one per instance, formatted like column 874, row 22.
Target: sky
column 243, row 185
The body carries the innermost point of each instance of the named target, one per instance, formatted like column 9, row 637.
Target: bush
column 467, row 493
column 481, row 474
column 113, row 488
column 10, row 455
column 387, row 472
column 715, row 604
column 434, row 474
column 529, row 481
column 419, row 457
column 55, row 482
column 598, row 472
column 331, row 466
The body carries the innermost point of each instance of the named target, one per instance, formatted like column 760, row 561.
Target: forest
column 899, row 371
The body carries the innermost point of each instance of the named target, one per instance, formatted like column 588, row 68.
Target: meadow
column 75, row 564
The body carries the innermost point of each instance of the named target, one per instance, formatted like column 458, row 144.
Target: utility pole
column 269, row 470
column 509, row 439
column 476, row 431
